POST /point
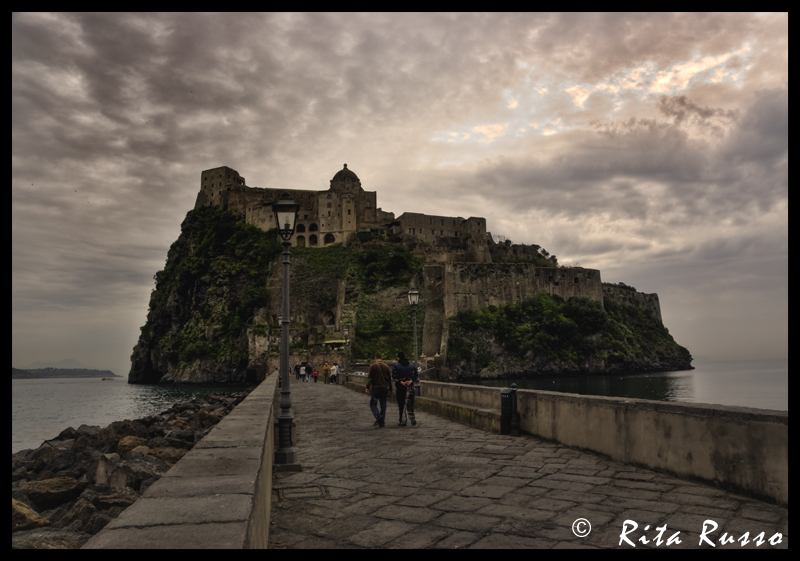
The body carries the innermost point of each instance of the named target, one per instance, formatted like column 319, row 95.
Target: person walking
column 335, row 373
column 405, row 374
column 315, row 373
column 326, row 372
column 378, row 380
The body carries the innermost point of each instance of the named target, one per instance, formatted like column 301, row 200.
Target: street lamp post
column 285, row 210
column 346, row 333
column 413, row 300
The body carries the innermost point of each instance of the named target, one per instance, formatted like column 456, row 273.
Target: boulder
column 82, row 510
column 141, row 468
column 128, row 443
column 117, row 498
column 24, row 517
column 97, row 523
column 168, row 455
column 50, row 538
column 139, row 450
column 182, row 434
column 167, row 442
column 41, row 457
column 107, row 472
column 206, row 419
column 52, row 492
column 82, row 443
column 118, row 430
column 68, row 433
column 89, row 431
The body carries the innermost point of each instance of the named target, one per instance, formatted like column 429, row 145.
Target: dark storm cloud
column 114, row 116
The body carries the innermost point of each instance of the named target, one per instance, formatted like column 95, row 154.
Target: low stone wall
column 217, row 496
column 738, row 448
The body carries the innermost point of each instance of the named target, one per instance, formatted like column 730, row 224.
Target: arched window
column 312, row 240
column 329, row 239
column 301, row 241
column 329, row 205
column 328, row 318
column 313, row 228
column 301, row 227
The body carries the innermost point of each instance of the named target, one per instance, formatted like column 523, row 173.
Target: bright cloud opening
column 491, row 132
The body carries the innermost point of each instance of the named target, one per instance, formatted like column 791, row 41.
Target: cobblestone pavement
column 444, row 485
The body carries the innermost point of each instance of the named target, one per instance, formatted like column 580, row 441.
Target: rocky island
column 488, row 308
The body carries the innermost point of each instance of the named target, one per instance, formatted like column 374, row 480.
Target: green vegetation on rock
column 213, row 283
column 548, row 334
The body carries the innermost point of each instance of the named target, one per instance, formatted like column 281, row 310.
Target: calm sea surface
column 763, row 384
column 43, row 408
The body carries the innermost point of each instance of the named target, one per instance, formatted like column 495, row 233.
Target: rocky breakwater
column 70, row 487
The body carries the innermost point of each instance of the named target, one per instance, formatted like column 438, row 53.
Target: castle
column 335, row 214
column 454, row 280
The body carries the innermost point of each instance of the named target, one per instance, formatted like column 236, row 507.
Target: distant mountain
column 17, row 373
column 66, row 363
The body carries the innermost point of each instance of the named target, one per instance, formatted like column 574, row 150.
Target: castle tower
column 346, row 188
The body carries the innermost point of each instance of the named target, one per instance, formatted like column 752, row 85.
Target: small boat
column 109, row 379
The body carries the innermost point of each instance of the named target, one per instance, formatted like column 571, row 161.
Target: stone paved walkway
column 444, row 485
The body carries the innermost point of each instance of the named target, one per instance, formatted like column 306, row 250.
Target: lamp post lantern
column 413, row 300
column 285, row 210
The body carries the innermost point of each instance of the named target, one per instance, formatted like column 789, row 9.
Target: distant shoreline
column 45, row 373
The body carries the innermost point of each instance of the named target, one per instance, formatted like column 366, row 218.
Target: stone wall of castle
column 332, row 215
column 456, row 287
column 628, row 295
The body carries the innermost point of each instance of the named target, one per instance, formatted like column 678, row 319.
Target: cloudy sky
column 651, row 147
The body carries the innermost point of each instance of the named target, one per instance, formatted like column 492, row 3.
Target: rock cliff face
column 214, row 280
column 214, row 313
column 548, row 335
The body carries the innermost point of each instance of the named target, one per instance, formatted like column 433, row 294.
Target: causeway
column 441, row 484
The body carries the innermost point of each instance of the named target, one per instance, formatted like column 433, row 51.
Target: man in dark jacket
column 404, row 374
column 378, row 380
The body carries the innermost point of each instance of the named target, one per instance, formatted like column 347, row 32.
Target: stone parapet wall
column 217, row 496
column 742, row 449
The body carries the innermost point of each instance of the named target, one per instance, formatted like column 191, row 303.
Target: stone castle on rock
column 332, row 215
column 454, row 281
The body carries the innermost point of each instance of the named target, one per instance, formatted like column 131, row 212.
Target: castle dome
column 343, row 173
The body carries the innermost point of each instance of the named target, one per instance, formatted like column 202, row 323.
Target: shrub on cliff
column 212, row 284
column 548, row 333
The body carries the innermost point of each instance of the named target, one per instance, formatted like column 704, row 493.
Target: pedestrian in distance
column 405, row 375
column 335, row 373
column 326, row 372
column 378, row 379
column 315, row 373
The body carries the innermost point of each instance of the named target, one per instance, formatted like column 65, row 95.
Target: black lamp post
column 346, row 332
column 413, row 300
column 285, row 210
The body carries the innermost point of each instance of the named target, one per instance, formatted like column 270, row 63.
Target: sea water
column 762, row 384
column 42, row 408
